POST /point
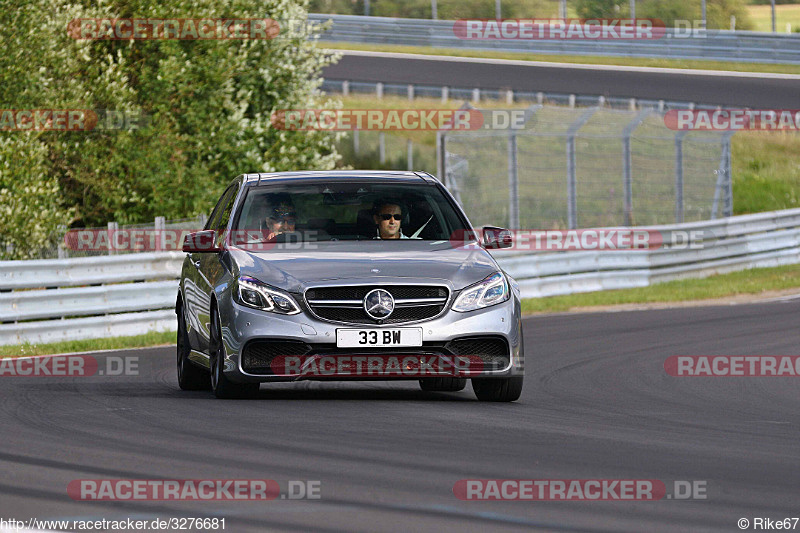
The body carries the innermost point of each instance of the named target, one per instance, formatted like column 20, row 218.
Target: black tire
column 443, row 384
column 222, row 387
column 190, row 376
column 497, row 389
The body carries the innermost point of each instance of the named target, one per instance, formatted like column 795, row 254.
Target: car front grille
column 346, row 304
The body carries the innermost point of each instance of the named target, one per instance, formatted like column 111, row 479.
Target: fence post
column 379, row 90
column 441, row 163
column 679, row 176
column 382, row 147
column 509, row 97
column 113, row 227
column 572, row 185
column 203, row 220
column 445, row 93
column 627, row 177
column 356, row 143
column 723, row 191
column 513, row 183
column 728, row 205
column 160, row 225
column 410, row 91
column 476, row 95
column 345, row 88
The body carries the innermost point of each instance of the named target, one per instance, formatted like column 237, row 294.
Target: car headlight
column 491, row 291
column 252, row 293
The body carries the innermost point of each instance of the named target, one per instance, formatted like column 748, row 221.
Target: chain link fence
column 591, row 167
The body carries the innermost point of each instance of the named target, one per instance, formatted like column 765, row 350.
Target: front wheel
column 220, row 384
column 497, row 389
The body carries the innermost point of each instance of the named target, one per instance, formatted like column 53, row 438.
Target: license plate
column 360, row 338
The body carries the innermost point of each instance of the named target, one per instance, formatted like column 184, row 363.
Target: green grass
column 766, row 171
column 753, row 281
column 88, row 345
column 762, row 17
column 590, row 60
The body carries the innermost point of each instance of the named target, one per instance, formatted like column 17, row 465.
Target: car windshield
column 357, row 210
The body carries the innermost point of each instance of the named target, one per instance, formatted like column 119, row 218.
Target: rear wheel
column 190, row 376
column 497, row 389
column 443, row 384
column 220, row 384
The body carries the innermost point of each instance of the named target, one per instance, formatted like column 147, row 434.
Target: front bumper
column 243, row 325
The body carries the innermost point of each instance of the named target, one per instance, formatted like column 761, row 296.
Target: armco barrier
column 51, row 300
column 41, row 300
column 717, row 45
column 738, row 243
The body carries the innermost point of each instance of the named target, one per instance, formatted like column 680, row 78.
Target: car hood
column 368, row 262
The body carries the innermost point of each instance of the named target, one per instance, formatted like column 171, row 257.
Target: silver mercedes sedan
column 346, row 275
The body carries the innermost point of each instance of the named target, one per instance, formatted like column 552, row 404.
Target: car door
column 193, row 293
column 208, row 265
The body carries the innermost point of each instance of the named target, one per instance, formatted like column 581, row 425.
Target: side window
column 225, row 213
column 217, row 212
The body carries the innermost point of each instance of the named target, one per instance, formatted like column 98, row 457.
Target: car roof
column 394, row 175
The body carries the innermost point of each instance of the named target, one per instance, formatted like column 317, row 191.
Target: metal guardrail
column 740, row 242
column 135, row 293
column 88, row 297
column 719, row 45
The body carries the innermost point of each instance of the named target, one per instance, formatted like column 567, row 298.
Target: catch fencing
column 590, row 167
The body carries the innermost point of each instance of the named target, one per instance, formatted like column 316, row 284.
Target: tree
column 208, row 105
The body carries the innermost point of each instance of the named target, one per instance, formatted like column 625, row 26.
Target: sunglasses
column 284, row 220
column 387, row 216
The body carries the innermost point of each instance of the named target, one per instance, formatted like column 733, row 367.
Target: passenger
column 282, row 218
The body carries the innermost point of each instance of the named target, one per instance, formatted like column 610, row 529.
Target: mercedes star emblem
column 378, row 304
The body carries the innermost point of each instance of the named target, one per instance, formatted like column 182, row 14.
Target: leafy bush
column 208, row 103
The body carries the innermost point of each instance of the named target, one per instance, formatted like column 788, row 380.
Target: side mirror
column 201, row 241
column 496, row 238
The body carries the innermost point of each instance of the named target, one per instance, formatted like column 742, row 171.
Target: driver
column 388, row 217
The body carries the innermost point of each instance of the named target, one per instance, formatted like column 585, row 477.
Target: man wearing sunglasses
column 388, row 216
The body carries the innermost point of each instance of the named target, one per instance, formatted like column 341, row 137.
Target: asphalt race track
column 755, row 90
column 597, row 405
